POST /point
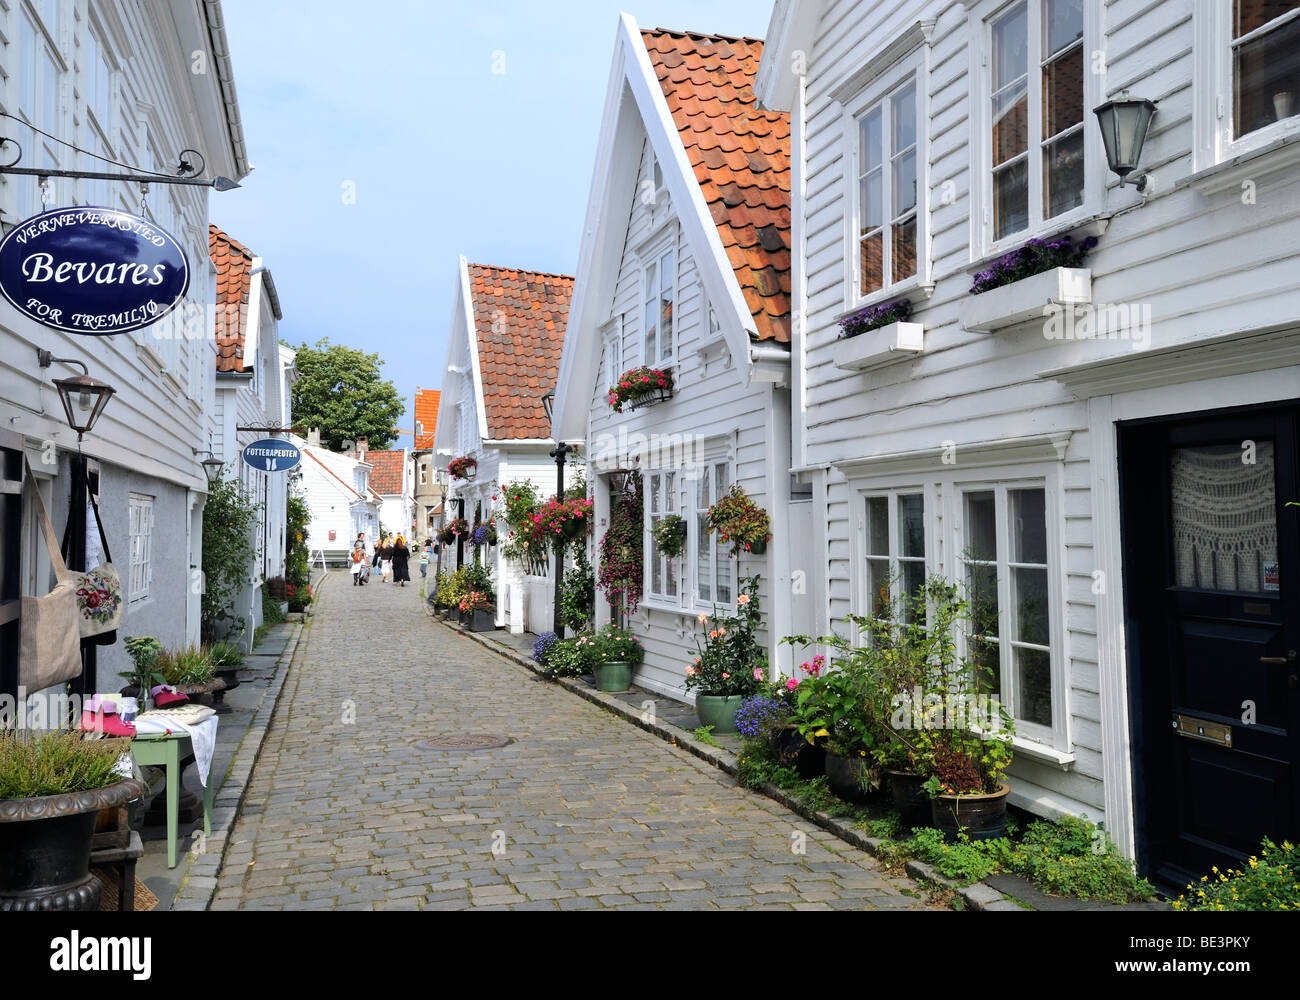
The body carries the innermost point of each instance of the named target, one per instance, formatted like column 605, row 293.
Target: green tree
column 340, row 390
column 229, row 517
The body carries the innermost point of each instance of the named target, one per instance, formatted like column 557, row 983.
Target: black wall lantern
column 212, row 468
column 1124, row 123
column 83, row 397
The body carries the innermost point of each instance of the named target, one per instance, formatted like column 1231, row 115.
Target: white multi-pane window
column 40, row 75
column 715, row 570
column 894, row 536
column 1038, row 93
column 140, row 528
column 886, row 190
column 663, row 575
column 1007, row 574
column 96, row 89
column 1265, row 63
column 659, row 287
column 613, row 350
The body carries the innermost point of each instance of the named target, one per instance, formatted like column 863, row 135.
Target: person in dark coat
column 401, row 561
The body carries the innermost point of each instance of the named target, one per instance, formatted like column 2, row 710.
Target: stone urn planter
column 983, row 817
column 848, row 775
column 718, row 711
column 613, row 676
column 45, row 847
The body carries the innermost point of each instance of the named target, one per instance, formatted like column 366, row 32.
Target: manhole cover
column 465, row 741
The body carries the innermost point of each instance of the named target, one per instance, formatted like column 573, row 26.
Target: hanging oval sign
column 271, row 455
column 92, row 271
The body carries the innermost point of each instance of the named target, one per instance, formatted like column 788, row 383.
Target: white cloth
column 203, row 736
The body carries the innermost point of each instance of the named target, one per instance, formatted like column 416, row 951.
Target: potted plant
column 485, row 534
column 477, row 612
column 190, row 670
column 738, row 520
column 463, row 467
column 731, row 665
column 143, row 676
column 446, row 536
column 638, row 387
column 669, row 535
column 834, row 707
column 614, row 655
column 226, row 659
column 52, row 787
column 770, row 717
column 458, row 526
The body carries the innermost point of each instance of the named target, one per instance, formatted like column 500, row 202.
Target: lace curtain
column 1225, row 518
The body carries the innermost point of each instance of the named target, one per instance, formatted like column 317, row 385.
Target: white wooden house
column 255, row 375
column 116, row 79
column 684, row 267
column 340, row 498
column 1114, row 445
column 508, row 327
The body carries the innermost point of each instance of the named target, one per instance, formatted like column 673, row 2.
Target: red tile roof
column 386, row 471
column 426, row 416
column 234, row 263
column 741, row 158
column 519, row 317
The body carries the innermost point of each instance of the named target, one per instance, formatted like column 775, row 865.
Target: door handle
column 1289, row 658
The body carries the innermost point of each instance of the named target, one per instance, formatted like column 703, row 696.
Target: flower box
column 648, row 399
column 876, row 348
column 479, row 621
column 1026, row 300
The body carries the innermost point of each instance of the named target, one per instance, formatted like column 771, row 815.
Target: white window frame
column 47, row 96
column 720, row 559
column 671, row 492
column 612, row 350
column 1214, row 107
column 1095, row 171
column 914, row 67
column 140, row 522
column 655, row 255
column 866, row 598
column 945, row 546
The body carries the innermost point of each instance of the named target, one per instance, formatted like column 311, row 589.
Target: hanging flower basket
column 740, row 522
column 670, row 535
column 464, row 467
column 459, row 526
column 640, row 387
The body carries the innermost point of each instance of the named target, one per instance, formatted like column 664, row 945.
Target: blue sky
column 398, row 101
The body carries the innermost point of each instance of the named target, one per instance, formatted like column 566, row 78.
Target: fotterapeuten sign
column 92, row 271
column 270, row 455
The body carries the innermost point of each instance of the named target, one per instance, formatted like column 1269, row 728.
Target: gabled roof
column 426, row 417
column 387, row 471
column 519, row 321
column 234, row 264
column 741, row 158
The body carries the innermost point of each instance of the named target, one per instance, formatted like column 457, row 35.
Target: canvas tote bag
column 50, row 626
column 99, row 594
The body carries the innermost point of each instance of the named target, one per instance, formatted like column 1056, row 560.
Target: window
column 1038, row 91
column 1005, row 530
column 424, row 474
column 887, row 183
column 613, row 350
column 894, row 531
column 140, row 525
column 1265, row 63
column 662, row 573
column 40, row 73
column 715, row 570
column 660, row 279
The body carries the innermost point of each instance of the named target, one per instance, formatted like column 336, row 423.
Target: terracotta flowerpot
column 983, row 817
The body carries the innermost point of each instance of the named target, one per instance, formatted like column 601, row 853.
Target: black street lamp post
column 560, row 454
column 460, row 537
column 83, row 399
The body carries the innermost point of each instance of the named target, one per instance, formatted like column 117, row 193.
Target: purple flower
column 874, row 317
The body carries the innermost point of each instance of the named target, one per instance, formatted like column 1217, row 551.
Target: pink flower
column 725, row 676
column 690, row 671
column 722, row 631
column 791, row 684
column 758, row 673
column 742, row 600
column 713, row 634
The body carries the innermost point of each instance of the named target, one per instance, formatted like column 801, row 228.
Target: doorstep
column 673, row 724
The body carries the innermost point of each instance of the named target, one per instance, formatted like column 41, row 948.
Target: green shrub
column 756, row 763
column 271, row 613
column 1270, row 881
column 966, row 860
column 566, row 659
column 1073, row 857
column 225, row 654
column 54, row 763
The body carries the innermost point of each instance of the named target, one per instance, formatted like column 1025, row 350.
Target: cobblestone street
column 582, row 811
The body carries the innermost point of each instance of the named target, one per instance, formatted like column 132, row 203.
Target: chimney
column 313, row 437
column 363, row 445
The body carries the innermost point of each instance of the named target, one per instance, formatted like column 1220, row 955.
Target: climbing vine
column 621, row 549
column 229, row 518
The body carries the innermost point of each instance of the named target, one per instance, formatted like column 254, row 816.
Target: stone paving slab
column 581, row 810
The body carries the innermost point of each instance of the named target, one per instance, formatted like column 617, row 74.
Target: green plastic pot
column 718, row 711
column 613, row 676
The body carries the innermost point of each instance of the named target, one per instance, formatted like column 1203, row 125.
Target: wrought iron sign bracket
column 185, row 172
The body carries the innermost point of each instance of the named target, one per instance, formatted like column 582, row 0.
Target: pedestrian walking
column 384, row 558
column 401, row 561
column 366, row 555
column 358, row 566
column 426, row 553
